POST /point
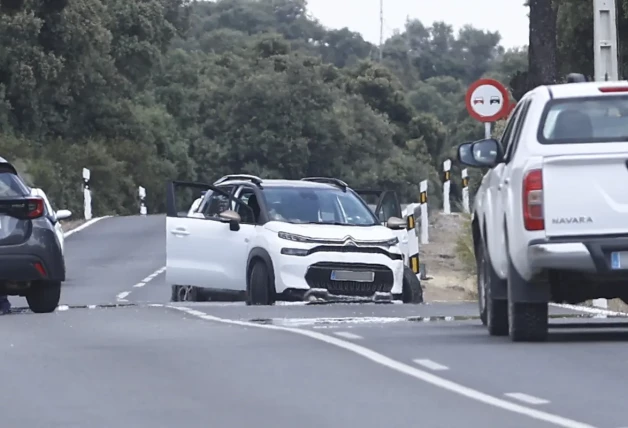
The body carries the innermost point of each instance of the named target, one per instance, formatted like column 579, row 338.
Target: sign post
column 487, row 101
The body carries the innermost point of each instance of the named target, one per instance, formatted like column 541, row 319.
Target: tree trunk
column 542, row 65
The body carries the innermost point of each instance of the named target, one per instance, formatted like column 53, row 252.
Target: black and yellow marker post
column 411, row 228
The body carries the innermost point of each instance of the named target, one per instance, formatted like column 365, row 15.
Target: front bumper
column 312, row 272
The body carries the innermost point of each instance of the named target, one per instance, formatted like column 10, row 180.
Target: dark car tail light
column 23, row 209
column 35, row 207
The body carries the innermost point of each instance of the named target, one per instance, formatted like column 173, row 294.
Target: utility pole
column 605, row 58
column 381, row 30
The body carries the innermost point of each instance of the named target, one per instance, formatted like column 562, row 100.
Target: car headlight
column 292, row 237
column 391, row 242
column 294, row 252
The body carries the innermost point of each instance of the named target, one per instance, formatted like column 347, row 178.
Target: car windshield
column 317, row 205
column 592, row 120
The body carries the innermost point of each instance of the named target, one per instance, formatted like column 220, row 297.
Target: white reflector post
column 465, row 191
column 142, row 194
column 87, row 195
column 446, row 186
column 424, row 223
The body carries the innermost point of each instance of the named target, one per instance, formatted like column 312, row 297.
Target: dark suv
column 31, row 259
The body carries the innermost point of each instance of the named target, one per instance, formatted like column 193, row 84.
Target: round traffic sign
column 487, row 100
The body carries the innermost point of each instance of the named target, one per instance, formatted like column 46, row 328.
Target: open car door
column 208, row 248
column 383, row 203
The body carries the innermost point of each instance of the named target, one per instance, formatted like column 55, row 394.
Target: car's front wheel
column 44, row 296
column 259, row 291
column 412, row 290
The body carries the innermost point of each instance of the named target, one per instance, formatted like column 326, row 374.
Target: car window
column 317, row 205
column 585, row 120
column 215, row 203
column 507, row 136
column 510, row 150
column 11, row 186
column 247, row 215
column 389, row 207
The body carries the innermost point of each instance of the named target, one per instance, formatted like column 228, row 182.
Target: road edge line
column 399, row 367
column 84, row 226
column 590, row 310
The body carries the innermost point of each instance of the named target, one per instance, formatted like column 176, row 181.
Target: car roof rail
column 252, row 178
column 328, row 180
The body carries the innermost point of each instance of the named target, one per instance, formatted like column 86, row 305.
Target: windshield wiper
column 337, row 223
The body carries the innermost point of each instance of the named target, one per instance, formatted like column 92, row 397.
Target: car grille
column 319, row 276
column 354, row 249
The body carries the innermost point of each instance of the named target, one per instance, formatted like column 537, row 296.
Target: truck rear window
column 585, row 120
column 11, row 186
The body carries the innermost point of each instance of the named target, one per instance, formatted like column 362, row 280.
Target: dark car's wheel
column 44, row 296
column 412, row 290
column 259, row 291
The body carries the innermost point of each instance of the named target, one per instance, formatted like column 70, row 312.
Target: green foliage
column 144, row 91
column 464, row 247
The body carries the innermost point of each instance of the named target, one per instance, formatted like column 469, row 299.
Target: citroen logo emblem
column 350, row 241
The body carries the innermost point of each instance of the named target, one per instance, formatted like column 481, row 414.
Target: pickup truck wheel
column 44, row 296
column 528, row 321
column 412, row 290
column 259, row 292
column 493, row 312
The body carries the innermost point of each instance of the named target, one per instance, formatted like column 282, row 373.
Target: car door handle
column 503, row 184
column 180, row 231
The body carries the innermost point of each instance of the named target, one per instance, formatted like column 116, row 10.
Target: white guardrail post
column 87, row 195
column 465, row 191
column 446, row 186
column 424, row 223
column 142, row 194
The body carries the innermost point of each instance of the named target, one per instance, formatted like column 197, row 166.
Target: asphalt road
column 156, row 364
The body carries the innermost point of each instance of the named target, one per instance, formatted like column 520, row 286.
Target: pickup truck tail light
column 533, row 200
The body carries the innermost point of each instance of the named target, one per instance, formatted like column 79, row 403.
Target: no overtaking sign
column 487, row 100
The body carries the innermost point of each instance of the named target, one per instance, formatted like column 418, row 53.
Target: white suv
column 268, row 240
column 550, row 219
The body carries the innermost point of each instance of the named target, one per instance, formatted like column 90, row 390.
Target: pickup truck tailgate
column 585, row 194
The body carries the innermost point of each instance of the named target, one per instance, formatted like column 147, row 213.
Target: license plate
column 347, row 275
column 619, row 260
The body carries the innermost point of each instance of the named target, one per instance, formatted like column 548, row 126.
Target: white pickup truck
column 550, row 219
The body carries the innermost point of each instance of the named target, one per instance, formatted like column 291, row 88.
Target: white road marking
column 122, row 296
column 84, row 225
column 528, row 399
column 589, row 310
column 432, row 365
column 402, row 368
column 347, row 335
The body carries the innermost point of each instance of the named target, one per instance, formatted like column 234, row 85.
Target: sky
column 363, row 16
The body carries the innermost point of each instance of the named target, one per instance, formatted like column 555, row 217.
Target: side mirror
column 63, row 214
column 231, row 217
column 480, row 154
column 396, row 223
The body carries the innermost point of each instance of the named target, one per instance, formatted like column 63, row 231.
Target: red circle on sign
column 503, row 111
